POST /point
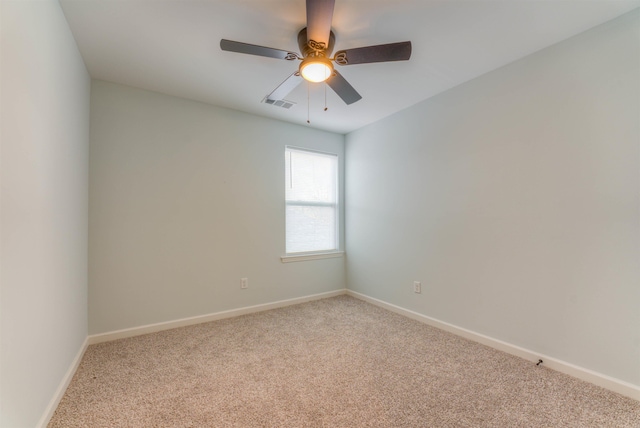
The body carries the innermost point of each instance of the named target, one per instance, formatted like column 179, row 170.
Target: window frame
column 314, row 254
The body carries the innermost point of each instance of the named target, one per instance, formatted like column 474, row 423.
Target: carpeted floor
column 338, row 362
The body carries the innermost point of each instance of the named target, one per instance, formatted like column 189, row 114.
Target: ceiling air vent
column 280, row 103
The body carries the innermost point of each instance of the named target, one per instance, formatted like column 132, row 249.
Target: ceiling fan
column 316, row 43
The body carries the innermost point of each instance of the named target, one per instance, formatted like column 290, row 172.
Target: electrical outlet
column 244, row 282
column 417, row 287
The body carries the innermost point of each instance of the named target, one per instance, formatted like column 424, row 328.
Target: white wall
column 44, row 199
column 186, row 199
column 515, row 199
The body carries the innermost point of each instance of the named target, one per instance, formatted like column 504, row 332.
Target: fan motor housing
column 312, row 48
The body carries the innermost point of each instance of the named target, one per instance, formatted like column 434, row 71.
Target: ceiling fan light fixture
column 316, row 69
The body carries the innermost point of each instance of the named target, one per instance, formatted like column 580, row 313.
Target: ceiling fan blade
column 285, row 87
column 231, row 46
column 380, row 53
column 344, row 90
column 319, row 16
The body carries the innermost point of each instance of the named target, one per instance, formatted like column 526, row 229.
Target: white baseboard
column 168, row 325
column 62, row 388
column 612, row 384
column 595, row 378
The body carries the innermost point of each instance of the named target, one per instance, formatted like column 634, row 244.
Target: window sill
column 315, row 256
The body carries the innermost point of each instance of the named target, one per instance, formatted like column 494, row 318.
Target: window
column 311, row 181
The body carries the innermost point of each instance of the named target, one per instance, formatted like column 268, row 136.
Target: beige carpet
column 338, row 362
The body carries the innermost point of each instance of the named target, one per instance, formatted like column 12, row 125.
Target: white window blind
column 311, row 201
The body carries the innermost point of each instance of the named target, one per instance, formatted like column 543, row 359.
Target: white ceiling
column 172, row 47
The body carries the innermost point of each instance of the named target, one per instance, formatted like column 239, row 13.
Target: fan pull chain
column 325, row 97
column 308, row 102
